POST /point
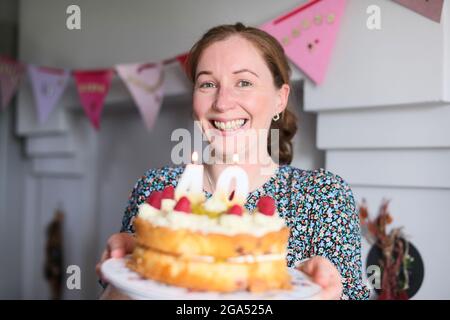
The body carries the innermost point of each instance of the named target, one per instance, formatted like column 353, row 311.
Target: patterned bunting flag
column 11, row 73
column 93, row 86
column 431, row 9
column 145, row 83
column 48, row 85
column 308, row 34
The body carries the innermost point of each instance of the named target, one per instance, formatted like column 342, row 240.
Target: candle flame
column 194, row 157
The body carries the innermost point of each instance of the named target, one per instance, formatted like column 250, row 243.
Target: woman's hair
column 273, row 54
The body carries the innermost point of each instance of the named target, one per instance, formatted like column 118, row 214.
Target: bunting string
column 307, row 33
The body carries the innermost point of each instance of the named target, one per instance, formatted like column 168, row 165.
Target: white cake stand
column 133, row 285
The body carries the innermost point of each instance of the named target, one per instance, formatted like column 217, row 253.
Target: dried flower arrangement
column 395, row 259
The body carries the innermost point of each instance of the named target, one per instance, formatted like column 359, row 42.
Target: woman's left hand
column 325, row 274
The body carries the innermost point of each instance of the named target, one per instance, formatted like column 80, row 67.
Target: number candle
column 191, row 182
column 223, row 183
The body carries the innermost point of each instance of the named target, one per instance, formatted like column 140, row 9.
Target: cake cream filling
column 256, row 224
column 240, row 259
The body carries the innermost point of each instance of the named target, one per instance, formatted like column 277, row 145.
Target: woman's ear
column 283, row 97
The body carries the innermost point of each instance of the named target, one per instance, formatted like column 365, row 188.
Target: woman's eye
column 244, row 83
column 207, row 85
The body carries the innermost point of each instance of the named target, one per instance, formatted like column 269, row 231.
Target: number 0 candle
column 225, row 178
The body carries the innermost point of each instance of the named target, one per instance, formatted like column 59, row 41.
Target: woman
column 241, row 84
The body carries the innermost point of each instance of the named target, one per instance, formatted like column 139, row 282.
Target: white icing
column 167, row 204
column 184, row 220
column 238, row 224
column 147, row 212
column 274, row 221
column 255, row 224
column 214, row 204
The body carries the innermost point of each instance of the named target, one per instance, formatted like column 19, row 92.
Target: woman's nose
column 223, row 100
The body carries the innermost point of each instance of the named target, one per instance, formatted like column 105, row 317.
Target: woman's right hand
column 118, row 246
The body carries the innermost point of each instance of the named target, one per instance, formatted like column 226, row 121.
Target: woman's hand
column 325, row 274
column 118, row 246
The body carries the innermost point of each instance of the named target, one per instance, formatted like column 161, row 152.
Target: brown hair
column 273, row 54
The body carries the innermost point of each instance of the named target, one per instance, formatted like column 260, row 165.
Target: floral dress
column 318, row 206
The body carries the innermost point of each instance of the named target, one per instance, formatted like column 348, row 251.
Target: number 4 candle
column 191, row 182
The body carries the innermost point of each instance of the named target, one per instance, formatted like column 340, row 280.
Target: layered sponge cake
column 212, row 245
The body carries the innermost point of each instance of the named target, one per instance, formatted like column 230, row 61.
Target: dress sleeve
column 141, row 190
column 337, row 235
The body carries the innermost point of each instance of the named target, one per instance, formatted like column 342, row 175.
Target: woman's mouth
column 229, row 125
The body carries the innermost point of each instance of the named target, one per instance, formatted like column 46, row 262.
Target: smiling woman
column 223, row 62
column 241, row 85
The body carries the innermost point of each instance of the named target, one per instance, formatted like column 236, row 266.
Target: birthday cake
column 210, row 245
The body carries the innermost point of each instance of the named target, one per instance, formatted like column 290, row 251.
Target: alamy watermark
column 251, row 146
column 374, row 19
column 373, row 273
column 73, row 20
column 73, row 281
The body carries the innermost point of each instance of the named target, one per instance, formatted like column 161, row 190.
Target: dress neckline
column 262, row 187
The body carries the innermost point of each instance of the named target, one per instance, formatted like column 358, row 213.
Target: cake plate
column 133, row 285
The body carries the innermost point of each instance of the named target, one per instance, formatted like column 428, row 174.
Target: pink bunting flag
column 93, row 86
column 11, row 73
column 308, row 34
column 145, row 83
column 431, row 9
column 48, row 85
column 182, row 59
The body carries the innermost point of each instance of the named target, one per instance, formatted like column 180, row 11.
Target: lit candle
column 241, row 180
column 191, row 182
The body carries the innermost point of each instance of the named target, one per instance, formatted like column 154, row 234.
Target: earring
column 276, row 117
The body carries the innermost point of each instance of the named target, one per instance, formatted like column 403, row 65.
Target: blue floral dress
column 318, row 206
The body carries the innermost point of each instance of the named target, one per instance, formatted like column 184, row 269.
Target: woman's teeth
column 229, row 125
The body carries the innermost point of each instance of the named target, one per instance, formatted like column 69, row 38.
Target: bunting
column 93, row 86
column 11, row 73
column 48, row 85
column 145, row 83
column 432, row 9
column 308, row 34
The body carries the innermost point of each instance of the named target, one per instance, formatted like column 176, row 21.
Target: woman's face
column 235, row 97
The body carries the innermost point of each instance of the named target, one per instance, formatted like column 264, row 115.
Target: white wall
column 403, row 63
column 383, row 116
column 12, row 168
